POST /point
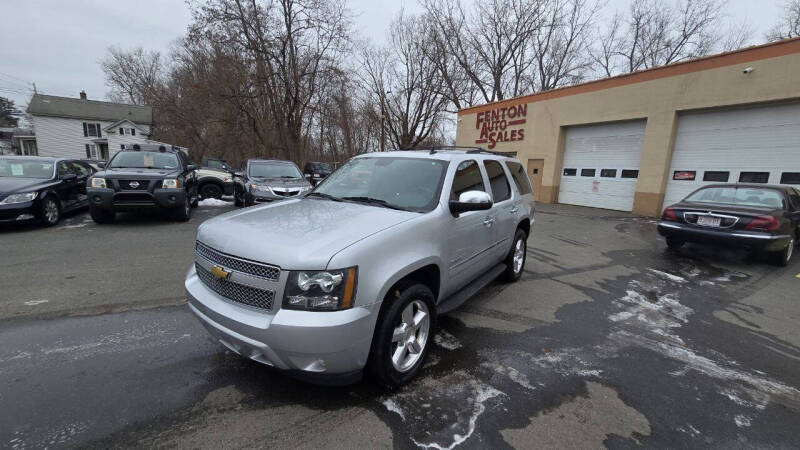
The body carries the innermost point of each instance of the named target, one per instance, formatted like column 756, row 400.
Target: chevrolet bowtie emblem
column 220, row 273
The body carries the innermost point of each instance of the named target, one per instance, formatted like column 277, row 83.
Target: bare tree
column 133, row 76
column 655, row 33
column 409, row 85
column 789, row 25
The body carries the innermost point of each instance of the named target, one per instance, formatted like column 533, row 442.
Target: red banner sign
column 501, row 125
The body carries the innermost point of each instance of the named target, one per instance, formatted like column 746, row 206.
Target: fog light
column 97, row 199
column 172, row 198
column 25, row 217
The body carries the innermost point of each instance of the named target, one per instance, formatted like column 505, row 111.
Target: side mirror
column 101, row 164
column 68, row 176
column 470, row 201
column 238, row 174
column 191, row 167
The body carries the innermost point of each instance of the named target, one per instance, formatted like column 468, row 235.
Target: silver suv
column 353, row 274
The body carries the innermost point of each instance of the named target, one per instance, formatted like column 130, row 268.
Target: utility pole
column 383, row 119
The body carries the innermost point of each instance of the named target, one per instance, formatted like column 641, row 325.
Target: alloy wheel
column 50, row 211
column 519, row 255
column 410, row 336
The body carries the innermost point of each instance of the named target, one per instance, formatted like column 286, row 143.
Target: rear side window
column 709, row 175
column 520, row 177
column 498, row 181
column 468, row 178
column 753, row 177
column 790, row 178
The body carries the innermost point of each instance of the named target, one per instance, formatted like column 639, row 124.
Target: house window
column 709, row 175
column 91, row 151
column 121, row 131
column 122, row 146
column 684, row 175
column 133, row 131
column 91, row 129
column 608, row 173
column 629, row 173
column 753, row 177
column 790, row 178
column 588, row 172
column 570, row 172
column 127, row 131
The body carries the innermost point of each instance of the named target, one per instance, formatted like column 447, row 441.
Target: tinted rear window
column 740, row 196
column 520, row 177
column 498, row 181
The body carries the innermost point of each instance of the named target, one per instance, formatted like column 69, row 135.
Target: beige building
column 639, row 141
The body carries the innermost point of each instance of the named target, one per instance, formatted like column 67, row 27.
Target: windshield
column 273, row 170
column 739, row 196
column 22, row 168
column 405, row 183
column 144, row 160
column 320, row 166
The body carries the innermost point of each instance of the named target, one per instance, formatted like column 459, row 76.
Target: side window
column 63, row 168
column 795, row 196
column 520, row 177
column 79, row 169
column 468, row 178
column 498, row 181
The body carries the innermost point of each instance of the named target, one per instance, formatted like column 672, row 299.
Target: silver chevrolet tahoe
column 352, row 275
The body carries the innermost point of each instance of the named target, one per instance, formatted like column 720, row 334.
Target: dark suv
column 316, row 171
column 146, row 177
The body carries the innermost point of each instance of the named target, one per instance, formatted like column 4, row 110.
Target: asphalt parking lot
column 608, row 339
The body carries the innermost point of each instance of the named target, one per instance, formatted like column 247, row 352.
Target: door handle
column 514, row 210
column 489, row 221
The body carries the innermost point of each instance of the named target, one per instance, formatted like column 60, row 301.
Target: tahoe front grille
column 246, row 295
column 240, row 265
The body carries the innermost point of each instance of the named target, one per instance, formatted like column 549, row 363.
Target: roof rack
column 467, row 149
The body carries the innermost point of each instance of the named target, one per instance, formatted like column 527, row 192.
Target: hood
column 296, row 234
column 12, row 185
column 281, row 182
column 123, row 173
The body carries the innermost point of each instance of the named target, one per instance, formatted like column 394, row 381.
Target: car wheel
column 783, row 257
column 51, row 211
column 210, row 190
column 674, row 244
column 183, row 213
column 237, row 201
column 196, row 199
column 515, row 261
column 403, row 336
column 102, row 215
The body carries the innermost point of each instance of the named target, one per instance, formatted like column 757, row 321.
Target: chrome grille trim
column 255, row 269
column 238, row 293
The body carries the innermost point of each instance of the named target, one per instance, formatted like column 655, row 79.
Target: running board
column 468, row 291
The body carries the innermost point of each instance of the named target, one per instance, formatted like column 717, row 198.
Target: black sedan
column 756, row 216
column 40, row 189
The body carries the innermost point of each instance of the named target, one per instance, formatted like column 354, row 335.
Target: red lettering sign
column 501, row 125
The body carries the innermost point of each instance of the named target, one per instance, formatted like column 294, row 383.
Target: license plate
column 707, row 221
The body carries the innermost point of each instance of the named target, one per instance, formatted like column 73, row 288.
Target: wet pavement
column 608, row 339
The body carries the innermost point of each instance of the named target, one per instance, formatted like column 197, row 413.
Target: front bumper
column 320, row 345
column 19, row 212
column 109, row 199
column 267, row 196
column 732, row 238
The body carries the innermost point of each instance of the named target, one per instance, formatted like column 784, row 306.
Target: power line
column 16, row 78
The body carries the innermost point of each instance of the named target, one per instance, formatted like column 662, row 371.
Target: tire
column 236, row 200
column 394, row 372
column 183, row 213
column 102, row 215
column 515, row 260
column 674, row 243
column 211, row 190
column 196, row 202
column 783, row 257
column 50, row 211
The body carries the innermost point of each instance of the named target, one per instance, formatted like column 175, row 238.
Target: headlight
column 169, row 183
column 19, row 198
column 328, row 290
column 97, row 182
column 227, row 179
column 258, row 187
column 316, row 175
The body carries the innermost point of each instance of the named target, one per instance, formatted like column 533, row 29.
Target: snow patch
column 392, row 407
column 214, row 202
column 35, row 302
column 446, row 340
column 742, row 421
column 513, row 374
column 668, row 276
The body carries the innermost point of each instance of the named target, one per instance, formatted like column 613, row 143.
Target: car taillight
column 669, row 214
column 766, row 223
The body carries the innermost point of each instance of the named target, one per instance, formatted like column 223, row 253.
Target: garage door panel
column 759, row 139
column 615, row 146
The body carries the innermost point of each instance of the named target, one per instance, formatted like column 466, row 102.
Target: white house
column 81, row 128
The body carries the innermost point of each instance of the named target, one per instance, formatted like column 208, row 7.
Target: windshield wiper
column 288, row 176
column 325, row 196
column 374, row 201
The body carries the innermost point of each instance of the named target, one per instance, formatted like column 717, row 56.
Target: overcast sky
column 58, row 44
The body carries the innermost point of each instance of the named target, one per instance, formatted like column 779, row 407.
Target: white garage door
column 601, row 165
column 760, row 145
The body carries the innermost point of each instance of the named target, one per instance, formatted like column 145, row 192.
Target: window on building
column 570, row 172
column 608, row 173
column 133, row 131
column 520, row 177
column 684, row 175
column 711, row 175
column 468, row 178
column 91, row 151
column 127, row 131
column 588, row 172
column 91, row 129
column 790, row 178
column 629, row 173
column 753, row 177
column 122, row 146
column 498, row 181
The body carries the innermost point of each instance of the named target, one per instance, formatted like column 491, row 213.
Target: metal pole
column 383, row 130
